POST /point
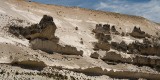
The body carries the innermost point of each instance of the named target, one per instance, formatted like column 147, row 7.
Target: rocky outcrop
column 103, row 37
column 130, row 58
column 136, row 53
column 51, row 47
column 114, row 31
column 102, row 45
column 95, row 55
column 42, row 36
column 46, row 29
column 117, row 73
column 105, row 29
column 137, row 33
column 144, row 49
column 119, row 46
column 30, row 64
column 103, row 34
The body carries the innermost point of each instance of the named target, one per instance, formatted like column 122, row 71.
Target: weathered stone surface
column 122, row 34
column 102, row 45
column 42, row 36
column 103, row 37
column 99, row 29
column 132, row 59
column 51, row 47
column 102, row 33
column 95, row 55
column 45, row 19
column 106, row 27
column 117, row 73
column 113, row 56
column 113, row 29
column 119, row 46
column 144, row 48
column 137, row 33
column 45, row 29
column 30, row 64
column 46, row 33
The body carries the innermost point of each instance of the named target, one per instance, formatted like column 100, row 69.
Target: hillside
column 43, row 42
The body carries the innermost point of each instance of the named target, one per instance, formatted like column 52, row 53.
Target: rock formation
column 102, row 33
column 95, row 55
column 132, row 59
column 30, row 64
column 42, row 36
column 51, row 47
column 137, row 33
column 119, row 46
column 133, row 53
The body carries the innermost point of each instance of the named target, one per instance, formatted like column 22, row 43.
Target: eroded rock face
column 132, row 59
column 105, row 29
column 103, row 37
column 46, row 29
column 114, row 31
column 42, row 36
column 119, row 46
column 137, row 33
column 30, row 64
column 50, row 47
column 102, row 45
column 95, row 55
column 103, row 34
column 133, row 53
column 144, row 49
column 46, row 19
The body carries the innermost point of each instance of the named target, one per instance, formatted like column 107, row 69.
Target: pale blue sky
column 147, row 8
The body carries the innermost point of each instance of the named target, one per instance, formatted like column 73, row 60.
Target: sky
column 149, row 9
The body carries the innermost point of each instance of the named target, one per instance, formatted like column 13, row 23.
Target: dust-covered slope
column 76, row 43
